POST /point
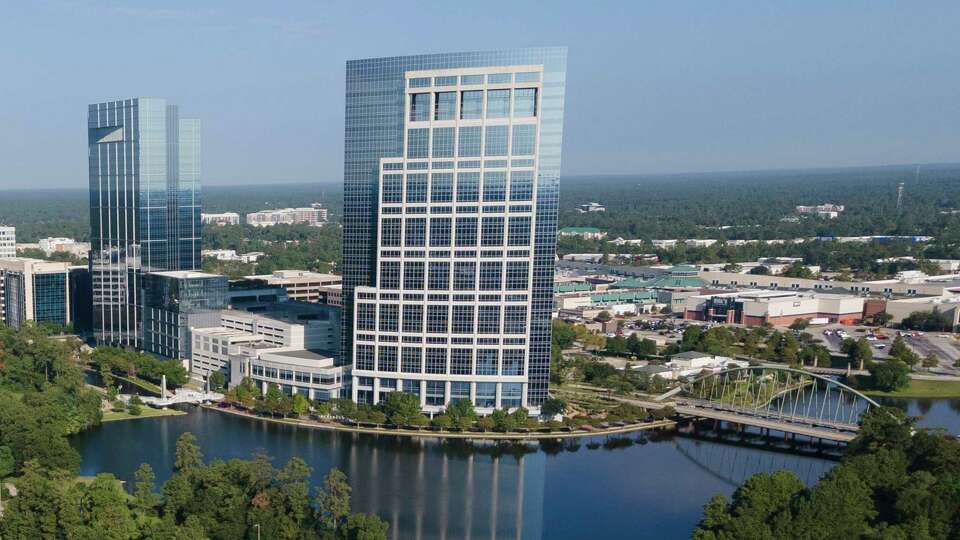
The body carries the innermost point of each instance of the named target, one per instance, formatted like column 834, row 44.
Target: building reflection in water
column 457, row 489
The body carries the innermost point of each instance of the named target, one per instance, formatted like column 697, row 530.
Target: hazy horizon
column 652, row 87
column 339, row 182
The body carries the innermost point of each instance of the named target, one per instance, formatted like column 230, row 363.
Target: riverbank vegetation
column 43, row 398
column 895, row 481
column 401, row 410
column 138, row 368
column 217, row 500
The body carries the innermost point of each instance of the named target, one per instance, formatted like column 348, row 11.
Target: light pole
column 257, row 525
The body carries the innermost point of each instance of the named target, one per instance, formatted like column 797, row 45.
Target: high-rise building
column 34, row 290
column 451, row 172
column 8, row 242
column 144, row 206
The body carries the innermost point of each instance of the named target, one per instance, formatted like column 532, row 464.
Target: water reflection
column 437, row 489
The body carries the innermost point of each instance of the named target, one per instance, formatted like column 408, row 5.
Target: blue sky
column 652, row 87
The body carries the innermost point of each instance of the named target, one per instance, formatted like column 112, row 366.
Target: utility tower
column 899, row 196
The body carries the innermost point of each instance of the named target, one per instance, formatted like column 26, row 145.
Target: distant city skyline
column 771, row 86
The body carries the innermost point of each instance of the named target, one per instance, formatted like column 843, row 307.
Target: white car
column 871, row 338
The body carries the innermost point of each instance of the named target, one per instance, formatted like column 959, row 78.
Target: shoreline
column 645, row 426
column 127, row 416
column 922, row 389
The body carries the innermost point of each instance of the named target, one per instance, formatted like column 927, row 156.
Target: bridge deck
column 845, row 435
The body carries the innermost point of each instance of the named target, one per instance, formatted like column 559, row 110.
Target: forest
column 723, row 206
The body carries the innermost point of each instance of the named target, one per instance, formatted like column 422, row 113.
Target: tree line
column 895, row 481
column 217, row 500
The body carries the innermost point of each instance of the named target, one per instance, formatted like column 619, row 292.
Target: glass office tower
column 144, row 206
column 451, row 171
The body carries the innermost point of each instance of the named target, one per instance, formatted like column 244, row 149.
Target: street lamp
column 257, row 525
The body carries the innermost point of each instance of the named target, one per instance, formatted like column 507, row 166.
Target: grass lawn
column 923, row 389
column 145, row 412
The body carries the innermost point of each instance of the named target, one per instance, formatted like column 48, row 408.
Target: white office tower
column 451, row 314
column 8, row 242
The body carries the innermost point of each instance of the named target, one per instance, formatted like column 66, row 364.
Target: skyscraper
column 451, row 172
column 144, row 206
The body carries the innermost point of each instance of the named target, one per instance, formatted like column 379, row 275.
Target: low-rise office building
column 313, row 216
column 295, row 371
column 173, row 303
column 779, row 308
column 225, row 218
column 34, row 290
column 589, row 233
column 49, row 246
column 292, row 344
column 301, row 284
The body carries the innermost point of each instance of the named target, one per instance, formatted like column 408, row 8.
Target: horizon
column 826, row 169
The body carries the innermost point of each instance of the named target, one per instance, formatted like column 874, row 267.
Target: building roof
column 571, row 287
column 689, row 355
column 186, row 274
column 623, row 297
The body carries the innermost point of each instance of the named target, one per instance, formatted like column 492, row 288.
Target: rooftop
column 186, row 274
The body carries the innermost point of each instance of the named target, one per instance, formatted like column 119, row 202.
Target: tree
column 603, row 316
column 799, row 325
column 858, row 350
column 365, row 527
column 553, row 407
column 930, row 361
column 928, row 321
column 461, row 413
column 300, row 404
column 732, row 267
column 8, row 464
column 616, row 345
column 898, row 348
column 441, row 421
column 485, row 423
column 889, row 376
column 503, row 420
column 759, row 271
column 217, row 381
column 144, row 489
column 797, row 270
column 760, row 506
column 333, row 500
column 402, row 409
column 520, row 416
column 882, row 318
column 187, row 453
column 563, row 334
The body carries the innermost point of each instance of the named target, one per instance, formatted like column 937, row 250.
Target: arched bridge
column 775, row 398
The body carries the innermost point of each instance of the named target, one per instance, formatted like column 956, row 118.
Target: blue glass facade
column 144, row 163
column 173, row 302
column 375, row 128
column 34, row 290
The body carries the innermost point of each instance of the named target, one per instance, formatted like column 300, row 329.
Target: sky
column 652, row 87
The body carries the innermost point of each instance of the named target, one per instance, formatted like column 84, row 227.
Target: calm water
column 588, row 488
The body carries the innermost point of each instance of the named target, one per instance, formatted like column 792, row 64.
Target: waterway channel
column 647, row 486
